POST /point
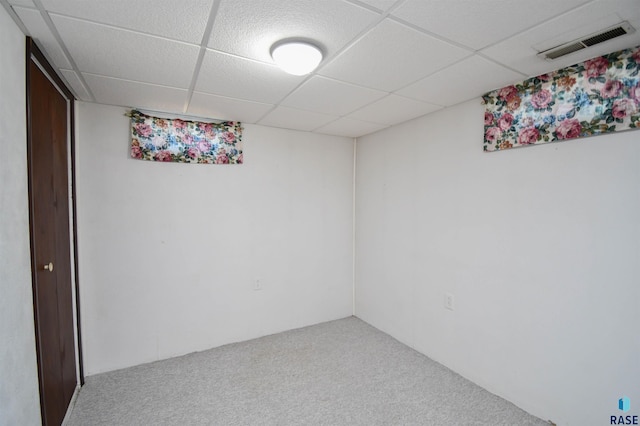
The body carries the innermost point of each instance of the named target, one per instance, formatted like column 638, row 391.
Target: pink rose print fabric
column 182, row 141
column 598, row 96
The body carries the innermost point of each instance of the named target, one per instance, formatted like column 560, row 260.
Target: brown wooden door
column 48, row 115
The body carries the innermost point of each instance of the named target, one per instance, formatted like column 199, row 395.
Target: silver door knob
column 49, row 267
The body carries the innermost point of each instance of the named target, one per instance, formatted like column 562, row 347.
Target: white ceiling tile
column 291, row 118
column 76, row 85
column 143, row 53
column 480, row 23
column 39, row 31
column 393, row 109
column 223, row 108
column 350, row 128
column 112, row 91
column 250, row 28
column 246, row 79
column 519, row 52
column 184, row 21
column 392, row 56
column 470, row 78
column 328, row 96
column 104, row 50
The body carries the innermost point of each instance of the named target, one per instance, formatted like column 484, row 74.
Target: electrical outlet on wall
column 257, row 284
column 448, row 301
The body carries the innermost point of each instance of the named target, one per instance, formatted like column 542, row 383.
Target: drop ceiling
column 386, row 61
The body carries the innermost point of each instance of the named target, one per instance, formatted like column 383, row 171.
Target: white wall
column 19, row 395
column 169, row 252
column 540, row 247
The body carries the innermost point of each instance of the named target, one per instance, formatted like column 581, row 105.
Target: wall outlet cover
column 449, row 301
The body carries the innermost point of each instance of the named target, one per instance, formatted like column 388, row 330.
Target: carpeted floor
column 342, row 372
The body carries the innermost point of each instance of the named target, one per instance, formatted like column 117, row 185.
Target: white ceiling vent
column 587, row 41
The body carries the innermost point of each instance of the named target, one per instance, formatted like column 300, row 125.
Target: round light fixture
column 296, row 57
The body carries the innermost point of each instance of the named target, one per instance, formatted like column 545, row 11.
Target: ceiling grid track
column 386, row 61
column 63, row 47
column 203, row 49
column 384, row 15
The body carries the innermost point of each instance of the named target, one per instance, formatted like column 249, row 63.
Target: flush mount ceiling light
column 296, row 57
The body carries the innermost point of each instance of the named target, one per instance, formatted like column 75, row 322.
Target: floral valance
column 184, row 141
column 597, row 96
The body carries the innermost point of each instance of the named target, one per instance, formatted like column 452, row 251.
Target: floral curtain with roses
column 597, row 96
column 182, row 141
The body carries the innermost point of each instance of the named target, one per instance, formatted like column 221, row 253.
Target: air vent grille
column 587, row 41
column 574, row 47
column 607, row 35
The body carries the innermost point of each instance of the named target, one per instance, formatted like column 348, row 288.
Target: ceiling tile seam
column 525, row 76
column 496, row 62
column 359, row 36
column 282, row 126
column 385, row 97
column 236, row 56
column 146, row 83
column 291, row 92
column 225, row 96
column 395, row 92
column 337, row 54
column 231, row 98
column 463, row 46
column 65, row 51
column 338, row 116
column 269, row 111
column 213, row 13
column 354, row 119
column 119, row 28
column 15, row 17
column 364, row 6
column 431, row 34
column 346, row 117
column 539, row 24
column 349, row 83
